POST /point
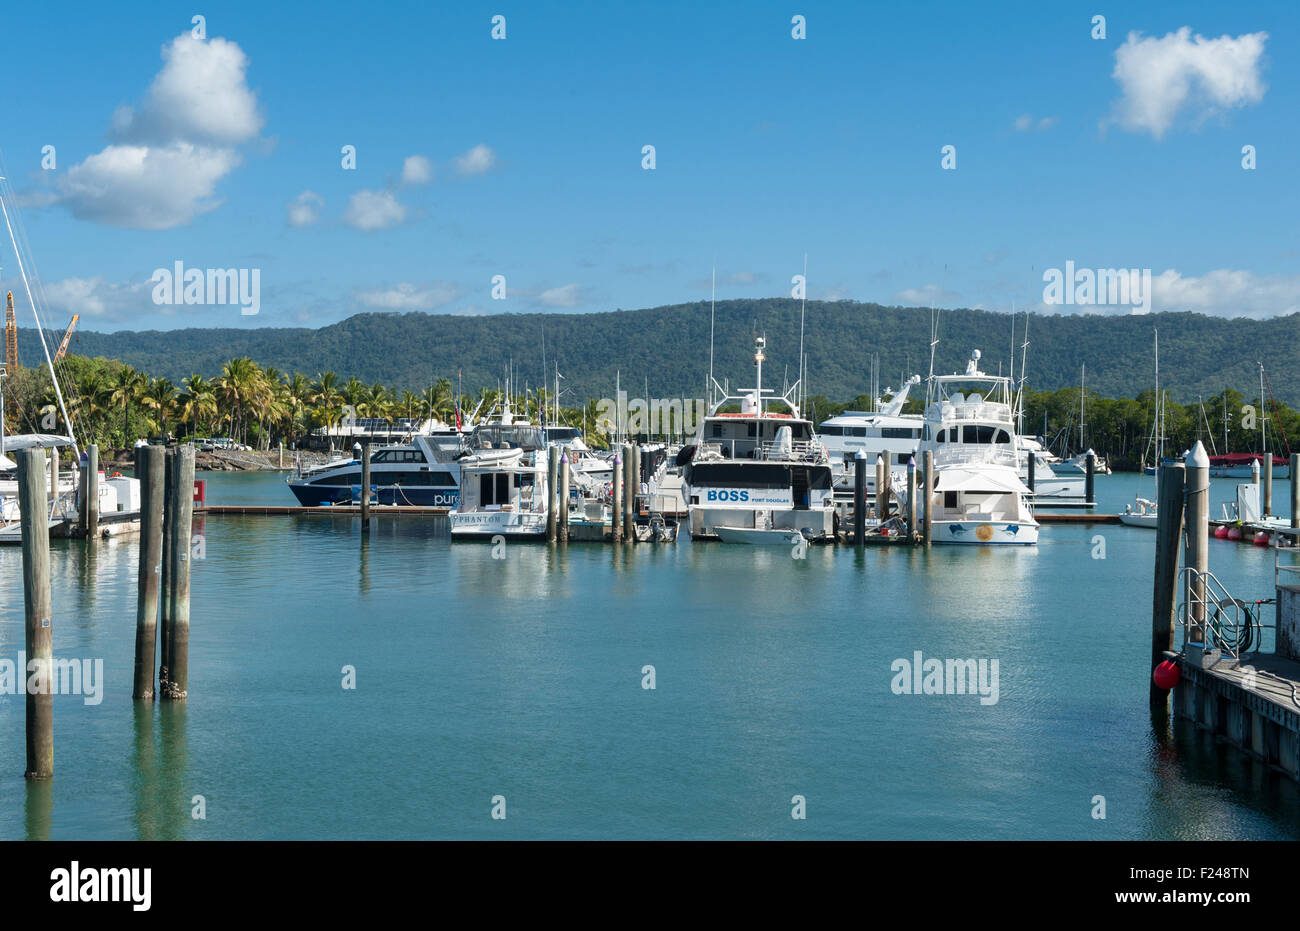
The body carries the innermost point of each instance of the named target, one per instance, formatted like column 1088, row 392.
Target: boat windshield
column 507, row 436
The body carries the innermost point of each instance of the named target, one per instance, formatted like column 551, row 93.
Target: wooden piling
column 91, row 497
column 1169, row 530
column 1032, row 458
column 882, row 496
column 1196, row 554
column 552, row 489
column 36, row 600
column 149, row 462
column 365, row 488
column 927, row 522
column 616, row 494
column 629, row 494
column 165, row 576
column 54, row 474
column 1295, row 490
column 179, row 641
column 1089, row 477
column 281, row 454
column 636, row 477
column 1268, row 483
column 562, row 500
column 911, row 499
column 859, row 498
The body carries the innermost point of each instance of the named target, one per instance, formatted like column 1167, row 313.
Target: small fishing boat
column 1142, row 513
column 758, row 536
column 1239, row 465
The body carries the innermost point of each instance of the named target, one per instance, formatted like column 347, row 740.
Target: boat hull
column 994, row 533
column 311, row 495
column 1147, row 521
column 754, row 537
column 484, row 525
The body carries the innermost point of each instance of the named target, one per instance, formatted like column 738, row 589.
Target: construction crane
column 11, row 334
column 67, row 338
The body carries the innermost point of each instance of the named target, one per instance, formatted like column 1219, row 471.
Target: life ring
column 116, row 475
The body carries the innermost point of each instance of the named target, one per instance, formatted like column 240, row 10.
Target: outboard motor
column 685, row 454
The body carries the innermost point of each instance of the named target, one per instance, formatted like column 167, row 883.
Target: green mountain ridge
column 669, row 346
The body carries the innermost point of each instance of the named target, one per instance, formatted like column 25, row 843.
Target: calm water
column 521, row 677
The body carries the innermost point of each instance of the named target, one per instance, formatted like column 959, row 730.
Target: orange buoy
column 1166, row 675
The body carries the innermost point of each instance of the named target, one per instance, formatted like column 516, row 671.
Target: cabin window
column 717, row 431
column 751, row 429
column 857, row 431
column 899, row 433
column 503, row 488
column 831, row 431
column 901, row 458
column 950, row 500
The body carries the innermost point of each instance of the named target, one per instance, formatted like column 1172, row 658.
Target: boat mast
column 803, row 312
column 713, row 298
column 1262, row 415
column 40, row 329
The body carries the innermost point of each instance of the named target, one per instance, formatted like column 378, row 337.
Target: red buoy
column 1221, row 532
column 1261, row 538
column 1166, row 675
column 1234, row 533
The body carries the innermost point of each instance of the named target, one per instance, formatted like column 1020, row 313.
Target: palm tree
column 123, row 388
column 159, row 395
column 198, row 399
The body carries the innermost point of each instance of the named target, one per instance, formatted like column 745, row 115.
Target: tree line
column 113, row 404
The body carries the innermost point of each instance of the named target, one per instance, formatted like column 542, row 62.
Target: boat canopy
column 7, row 464
column 977, row 480
column 31, row 440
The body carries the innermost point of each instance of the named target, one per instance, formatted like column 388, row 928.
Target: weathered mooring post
column 616, row 495
column 927, row 522
column 281, row 465
column 38, row 641
column 90, row 494
column 882, row 490
column 636, row 478
column 552, row 487
column 629, row 494
column 149, row 470
column 1268, row 483
column 1089, row 478
column 1030, row 476
column 1169, row 530
column 165, row 582
column 859, row 498
column 1295, row 490
column 1197, row 553
column 911, row 499
column 563, row 499
column 54, row 474
column 178, row 640
column 365, row 488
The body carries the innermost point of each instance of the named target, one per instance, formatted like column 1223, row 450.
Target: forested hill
column 670, row 347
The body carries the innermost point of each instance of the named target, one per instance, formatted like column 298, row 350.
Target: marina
column 569, row 738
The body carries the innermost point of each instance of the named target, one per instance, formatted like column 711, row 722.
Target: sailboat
column 1143, row 512
column 63, row 496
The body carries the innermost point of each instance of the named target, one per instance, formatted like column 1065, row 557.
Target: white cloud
column 94, row 297
column 168, row 155
column 568, row 295
column 374, row 210
column 304, row 210
column 1161, row 77
column 1227, row 293
column 143, row 187
column 200, row 96
column 1025, row 123
column 476, row 161
column 407, row 296
column 930, row 295
column 417, row 169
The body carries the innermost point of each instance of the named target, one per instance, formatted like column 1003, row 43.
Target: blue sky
column 767, row 148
